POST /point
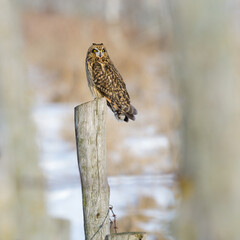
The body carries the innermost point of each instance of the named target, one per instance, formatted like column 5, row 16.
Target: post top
column 94, row 101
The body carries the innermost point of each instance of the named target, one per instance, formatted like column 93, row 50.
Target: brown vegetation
column 56, row 46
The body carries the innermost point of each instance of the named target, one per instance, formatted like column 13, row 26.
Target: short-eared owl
column 104, row 80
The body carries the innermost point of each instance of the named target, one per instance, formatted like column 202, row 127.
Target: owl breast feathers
column 104, row 80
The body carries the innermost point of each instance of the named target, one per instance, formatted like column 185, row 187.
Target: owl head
column 97, row 50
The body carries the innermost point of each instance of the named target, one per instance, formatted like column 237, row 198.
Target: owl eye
column 94, row 50
column 103, row 50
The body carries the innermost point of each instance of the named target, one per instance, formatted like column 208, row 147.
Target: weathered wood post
column 127, row 236
column 208, row 83
column 90, row 127
column 23, row 211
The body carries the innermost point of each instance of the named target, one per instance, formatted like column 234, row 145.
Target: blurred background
column 178, row 62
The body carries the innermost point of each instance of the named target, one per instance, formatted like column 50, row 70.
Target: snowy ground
column 59, row 163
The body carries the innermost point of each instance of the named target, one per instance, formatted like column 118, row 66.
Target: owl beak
column 100, row 54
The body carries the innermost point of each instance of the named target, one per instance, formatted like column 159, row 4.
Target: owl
column 104, row 80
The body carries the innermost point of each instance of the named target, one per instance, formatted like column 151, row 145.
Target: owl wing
column 109, row 83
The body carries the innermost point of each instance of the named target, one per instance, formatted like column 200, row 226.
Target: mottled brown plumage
column 104, row 80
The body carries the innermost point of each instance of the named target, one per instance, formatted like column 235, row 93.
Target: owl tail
column 132, row 111
column 123, row 115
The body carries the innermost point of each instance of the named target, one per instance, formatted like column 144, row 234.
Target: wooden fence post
column 127, row 236
column 90, row 129
column 23, row 211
